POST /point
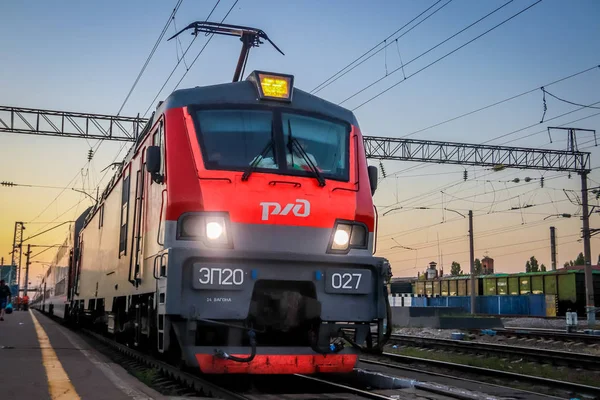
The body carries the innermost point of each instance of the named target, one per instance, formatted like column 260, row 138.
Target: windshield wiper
column 293, row 141
column 257, row 160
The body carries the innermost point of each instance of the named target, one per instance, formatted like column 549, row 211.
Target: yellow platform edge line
column 59, row 384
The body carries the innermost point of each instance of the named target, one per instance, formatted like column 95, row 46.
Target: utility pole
column 26, row 269
column 587, row 253
column 17, row 245
column 553, row 247
column 587, row 250
column 472, row 250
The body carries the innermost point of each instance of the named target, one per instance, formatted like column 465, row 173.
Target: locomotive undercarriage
column 274, row 316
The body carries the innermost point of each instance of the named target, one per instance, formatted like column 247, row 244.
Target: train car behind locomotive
column 52, row 296
column 238, row 234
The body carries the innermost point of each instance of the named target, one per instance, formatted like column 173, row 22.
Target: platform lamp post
column 472, row 261
column 553, row 238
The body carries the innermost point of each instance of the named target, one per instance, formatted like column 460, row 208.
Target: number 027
column 344, row 281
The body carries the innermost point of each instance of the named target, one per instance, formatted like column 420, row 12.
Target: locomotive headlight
column 348, row 235
column 191, row 226
column 214, row 230
column 341, row 237
column 211, row 228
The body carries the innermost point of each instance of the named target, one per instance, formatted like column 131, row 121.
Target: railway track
column 538, row 333
column 174, row 379
column 578, row 360
column 554, row 387
column 171, row 380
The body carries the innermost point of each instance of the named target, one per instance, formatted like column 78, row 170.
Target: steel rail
column 214, row 390
column 479, row 371
column 537, row 333
column 199, row 384
column 582, row 360
column 453, row 377
column 358, row 392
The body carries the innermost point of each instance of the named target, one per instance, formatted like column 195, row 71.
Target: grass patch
column 519, row 367
column 147, row 376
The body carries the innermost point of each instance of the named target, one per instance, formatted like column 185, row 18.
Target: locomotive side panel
column 99, row 262
column 110, row 239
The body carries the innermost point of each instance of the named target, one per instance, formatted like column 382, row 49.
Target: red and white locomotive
column 238, row 235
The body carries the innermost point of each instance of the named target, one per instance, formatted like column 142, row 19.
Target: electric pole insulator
column 382, row 169
column 542, row 181
column 465, row 174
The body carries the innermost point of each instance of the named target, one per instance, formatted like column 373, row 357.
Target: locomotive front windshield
column 273, row 141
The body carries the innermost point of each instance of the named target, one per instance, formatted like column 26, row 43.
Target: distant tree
column 478, row 267
column 455, row 269
column 532, row 265
column 569, row 264
column 543, row 268
column 580, row 260
column 535, row 267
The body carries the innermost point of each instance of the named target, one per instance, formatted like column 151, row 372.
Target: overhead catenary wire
column 536, row 124
column 458, row 238
column 438, row 59
column 482, row 247
column 482, row 233
column 401, row 233
column 99, row 143
column 163, row 32
column 546, row 131
column 496, row 256
column 222, row 20
column 491, row 248
column 56, row 198
column 567, row 101
column 358, row 61
column 497, row 103
column 206, row 44
column 178, row 63
column 426, row 52
column 160, row 37
column 422, row 165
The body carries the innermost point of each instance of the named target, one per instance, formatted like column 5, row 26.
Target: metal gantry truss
column 109, row 127
column 69, row 124
column 430, row 151
column 112, row 127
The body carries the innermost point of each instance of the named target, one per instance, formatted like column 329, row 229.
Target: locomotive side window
column 101, row 217
column 124, row 214
column 158, row 139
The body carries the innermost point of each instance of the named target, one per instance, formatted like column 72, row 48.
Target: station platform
column 40, row 359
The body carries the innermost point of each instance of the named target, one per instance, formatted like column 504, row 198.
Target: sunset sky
column 84, row 56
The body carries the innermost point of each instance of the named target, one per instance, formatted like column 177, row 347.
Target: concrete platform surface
column 40, row 359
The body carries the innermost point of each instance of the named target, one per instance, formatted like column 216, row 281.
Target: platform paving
column 26, row 374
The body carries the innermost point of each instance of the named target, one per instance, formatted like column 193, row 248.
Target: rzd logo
column 274, row 208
